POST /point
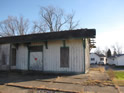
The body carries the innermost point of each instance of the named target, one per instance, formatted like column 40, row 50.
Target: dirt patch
column 101, row 69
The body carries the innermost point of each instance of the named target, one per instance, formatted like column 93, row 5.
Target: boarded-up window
column 13, row 56
column 64, row 57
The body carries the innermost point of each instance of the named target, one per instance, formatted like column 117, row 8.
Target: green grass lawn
column 119, row 75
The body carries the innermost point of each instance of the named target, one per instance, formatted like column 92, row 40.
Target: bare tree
column 117, row 48
column 39, row 27
column 22, row 26
column 72, row 24
column 105, row 50
column 98, row 51
column 13, row 26
column 54, row 19
column 114, row 53
column 8, row 27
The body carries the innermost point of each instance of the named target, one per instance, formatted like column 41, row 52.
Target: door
column 35, row 61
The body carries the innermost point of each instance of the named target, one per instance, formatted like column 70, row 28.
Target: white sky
column 110, row 37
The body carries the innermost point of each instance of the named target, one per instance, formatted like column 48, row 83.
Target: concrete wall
column 4, row 56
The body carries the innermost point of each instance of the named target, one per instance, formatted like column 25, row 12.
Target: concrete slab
column 66, row 83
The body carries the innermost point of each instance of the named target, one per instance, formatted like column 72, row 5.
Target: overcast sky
column 106, row 16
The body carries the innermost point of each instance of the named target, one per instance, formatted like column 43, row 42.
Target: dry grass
column 111, row 74
column 98, row 83
column 118, row 82
column 101, row 69
column 58, row 78
column 89, row 92
column 82, row 91
column 32, row 91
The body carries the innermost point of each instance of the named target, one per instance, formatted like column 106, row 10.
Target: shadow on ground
column 21, row 76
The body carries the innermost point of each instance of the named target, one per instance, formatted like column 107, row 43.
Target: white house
column 59, row 52
column 97, row 58
column 94, row 58
column 111, row 60
column 117, row 60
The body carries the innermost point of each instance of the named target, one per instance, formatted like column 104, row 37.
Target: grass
column 119, row 75
column 119, row 78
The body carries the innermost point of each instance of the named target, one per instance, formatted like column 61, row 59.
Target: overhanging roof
column 62, row 35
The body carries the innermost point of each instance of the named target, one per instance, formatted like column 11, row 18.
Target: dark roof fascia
column 62, row 35
column 100, row 55
column 119, row 55
column 38, row 41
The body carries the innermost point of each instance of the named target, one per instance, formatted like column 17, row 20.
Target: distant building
column 117, row 60
column 97, row 58
column 59, row 52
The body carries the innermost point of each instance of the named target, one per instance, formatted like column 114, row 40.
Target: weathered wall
column 52, row 56
column 22, row 57
column 87, row 56
column 4, row 56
